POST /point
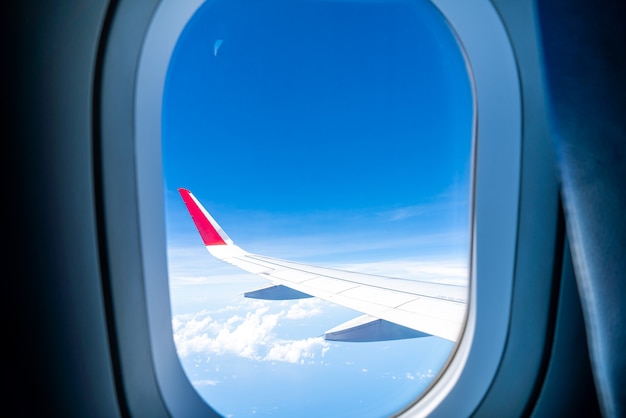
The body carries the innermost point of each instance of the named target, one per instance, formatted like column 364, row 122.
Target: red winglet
column 209, row 234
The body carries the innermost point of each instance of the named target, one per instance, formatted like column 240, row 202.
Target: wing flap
column 367, row 328
column 386, row 297
column 276, row 292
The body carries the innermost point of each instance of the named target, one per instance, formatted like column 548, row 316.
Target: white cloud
column 400, row 214
column 429, row 374
column 199, row 383
column 250, row 335
column 304, row 308
column 295, row 351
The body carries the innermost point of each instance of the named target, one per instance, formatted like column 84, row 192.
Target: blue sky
column 334, row 133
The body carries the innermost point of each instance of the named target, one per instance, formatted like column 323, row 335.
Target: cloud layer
column 248, row 331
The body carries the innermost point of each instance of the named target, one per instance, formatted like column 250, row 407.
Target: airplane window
column 336, row 134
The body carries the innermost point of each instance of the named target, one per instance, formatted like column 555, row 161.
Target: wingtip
column 209, row 230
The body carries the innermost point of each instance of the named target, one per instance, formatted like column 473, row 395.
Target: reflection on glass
column 332, row 133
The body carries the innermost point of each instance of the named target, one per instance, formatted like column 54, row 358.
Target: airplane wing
column 394, row 308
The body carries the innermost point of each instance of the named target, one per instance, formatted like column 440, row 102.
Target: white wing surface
column 394, row 308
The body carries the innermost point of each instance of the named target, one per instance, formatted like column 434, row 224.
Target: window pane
column 337, row 134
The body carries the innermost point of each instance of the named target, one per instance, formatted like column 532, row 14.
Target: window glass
column 332, row 133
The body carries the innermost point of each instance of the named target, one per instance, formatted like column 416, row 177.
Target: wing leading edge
column 393, row 308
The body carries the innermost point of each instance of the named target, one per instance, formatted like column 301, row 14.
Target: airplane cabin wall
column 584, row 62
column 59, row 348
